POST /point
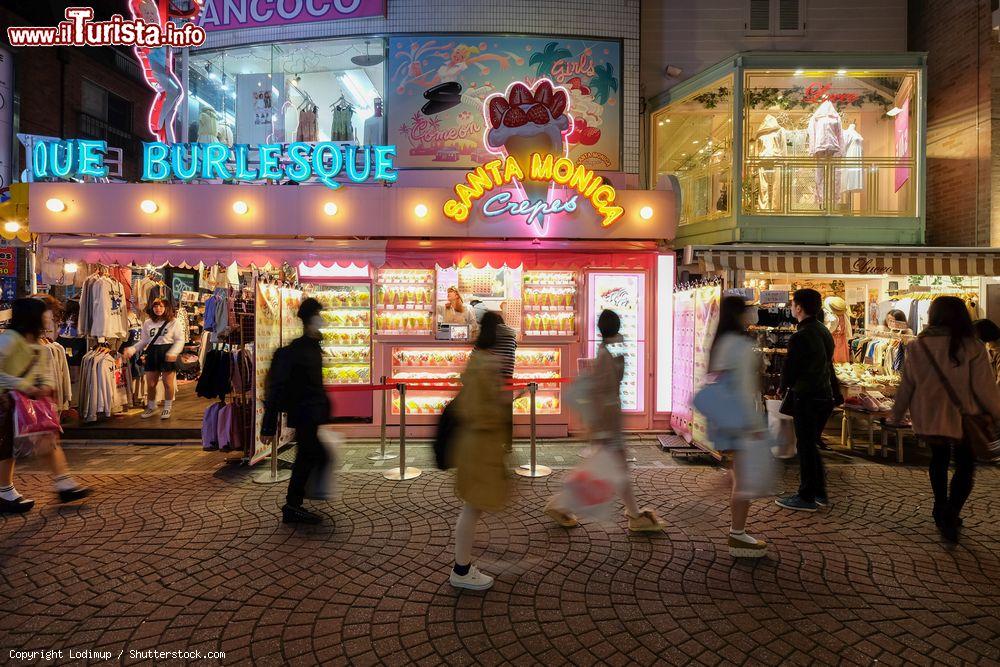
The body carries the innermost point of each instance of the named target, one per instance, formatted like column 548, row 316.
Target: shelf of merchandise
column 445, row 362
column 549, row 300
column 404, row 302
column 346, row 333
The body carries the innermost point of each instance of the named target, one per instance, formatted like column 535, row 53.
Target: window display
column 346, row 333
column 278, row 93
column 549, row 303
column 464, row 293
column 826, row 142
column 692, row 142
column 625, row 294
column 404, row 302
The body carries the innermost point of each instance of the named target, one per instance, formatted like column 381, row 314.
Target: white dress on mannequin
column 771, row 144
column 852, row 178
column 826, row 139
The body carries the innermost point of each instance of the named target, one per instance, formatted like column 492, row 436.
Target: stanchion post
column 403, row 473
column 273, row 475
column 532, row 469
column 381, row 455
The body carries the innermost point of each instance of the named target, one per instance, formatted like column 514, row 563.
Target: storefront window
column 829, row 143
column 329, row 90
column 692, row 142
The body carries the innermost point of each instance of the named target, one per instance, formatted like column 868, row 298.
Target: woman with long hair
column 947, row 360
column 163, row 338
column 454, row 311
column 24, row 369
column 733, row 359
column 480, row 454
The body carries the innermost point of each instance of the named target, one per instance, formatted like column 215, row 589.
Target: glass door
column 625, row 294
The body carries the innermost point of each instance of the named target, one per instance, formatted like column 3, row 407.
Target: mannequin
column 852, row 178
column 208, row 125
column 826, row 139
column 839, row 324
column 771, row 144
column 225, row 134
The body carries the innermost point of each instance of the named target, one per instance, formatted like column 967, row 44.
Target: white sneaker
column 147, row 413
column 474, row 580
column 165, row 413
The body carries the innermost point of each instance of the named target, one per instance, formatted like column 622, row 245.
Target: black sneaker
column 18, row 506
column 822, row 501
column 795, row 502
column 290, row 514
column 72, row 495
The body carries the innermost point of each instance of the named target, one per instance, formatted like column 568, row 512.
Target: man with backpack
column 295, row 387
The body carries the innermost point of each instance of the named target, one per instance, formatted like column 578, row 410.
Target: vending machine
column 625, row 294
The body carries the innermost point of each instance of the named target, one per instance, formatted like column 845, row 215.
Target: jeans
column 310, row 455
column 810, row 419
column 961, row 481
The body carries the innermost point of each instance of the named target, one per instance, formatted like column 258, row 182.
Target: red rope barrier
column 440, row 384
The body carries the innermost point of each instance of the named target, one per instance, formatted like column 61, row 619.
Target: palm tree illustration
column 549, row 56
column 603, row 83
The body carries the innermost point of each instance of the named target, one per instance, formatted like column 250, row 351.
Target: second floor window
column 775, row 17
column 103, row 105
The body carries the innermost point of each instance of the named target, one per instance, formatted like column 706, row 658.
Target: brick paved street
column 198, row 560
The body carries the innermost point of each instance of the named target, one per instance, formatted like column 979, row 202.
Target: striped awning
column 848, row 260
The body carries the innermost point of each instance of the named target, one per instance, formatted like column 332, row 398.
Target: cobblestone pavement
column 198, row 560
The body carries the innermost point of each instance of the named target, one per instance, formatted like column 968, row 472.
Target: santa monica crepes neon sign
column 541, row 169
column 527, row 129
column 298, row 161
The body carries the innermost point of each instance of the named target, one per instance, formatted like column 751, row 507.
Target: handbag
column 979, row 430
column 787, row 406
column 716, row 400
column 152, row 342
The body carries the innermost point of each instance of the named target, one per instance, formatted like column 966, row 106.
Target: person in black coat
column 295, row 387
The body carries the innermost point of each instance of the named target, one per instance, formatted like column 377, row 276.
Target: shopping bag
column 34, row 415
column 755, row 468
column 321, row 483
column 717, row 400
column 782, row 431
column 592, row 488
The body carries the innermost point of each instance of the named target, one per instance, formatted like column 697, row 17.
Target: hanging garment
column 825, row 130
column 225, row 135
column 341, row 127
column 771, row 144
column 208, row 126
column 210, row 427
column 852, row 178
column 308, row 128
column 224, row 427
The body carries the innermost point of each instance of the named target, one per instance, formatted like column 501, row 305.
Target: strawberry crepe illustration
column 525, row 121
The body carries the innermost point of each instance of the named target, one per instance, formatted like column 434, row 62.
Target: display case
column 404, row 302
column 346, row 333
column 442, row 365
column 625, row 294
column 549, row 302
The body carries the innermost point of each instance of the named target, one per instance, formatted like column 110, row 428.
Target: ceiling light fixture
column 55, row 205
column 240, row 207
column 148, row 206
column 12, row 227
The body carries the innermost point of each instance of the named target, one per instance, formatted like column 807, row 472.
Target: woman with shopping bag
column 26, row 380
column 735, row 425
column 597, row 395
column 481, row 479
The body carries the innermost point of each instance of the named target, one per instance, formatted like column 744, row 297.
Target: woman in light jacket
column 605, row 424
column 481, row 447
column 733, row 358
column 25, row 369
column 950, row 340
column 162, row 337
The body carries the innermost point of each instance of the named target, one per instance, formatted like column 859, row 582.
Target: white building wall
column 694, row 35
column 615, row 19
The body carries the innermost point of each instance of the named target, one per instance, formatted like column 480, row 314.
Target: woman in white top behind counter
column 163, row 338
column 454, row 311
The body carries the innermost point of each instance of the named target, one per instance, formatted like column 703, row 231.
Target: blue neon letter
column 177, row 154
column 64, row 168
column 243, row 172
column 327, row 174
column 40, row 160
column 213, row 163
column 155, row 165
column 351, row 163
column 91, row 160
column 298, row 155
column 269, row 154
column 384, row 171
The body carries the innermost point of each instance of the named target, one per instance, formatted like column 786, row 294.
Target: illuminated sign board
column 565, row 183
column 297, row 162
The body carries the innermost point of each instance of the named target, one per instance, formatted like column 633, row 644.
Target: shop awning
column 847, row 260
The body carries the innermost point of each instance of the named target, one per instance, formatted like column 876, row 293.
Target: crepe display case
column 550, row 304
column 404, row 302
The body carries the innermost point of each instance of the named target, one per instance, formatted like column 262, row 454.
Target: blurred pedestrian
column 808, row 384
column 603, row 385
column 295, row 387
column 989, row 334
column 162, row 338
column 733, row 358
column 481, row 476
column 24, row 369
column 506, row 352
column 944, row 367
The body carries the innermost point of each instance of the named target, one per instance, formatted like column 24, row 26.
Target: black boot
column 292, row 514
column 72, row 495
column 19, row 506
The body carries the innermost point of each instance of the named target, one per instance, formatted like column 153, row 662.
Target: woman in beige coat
column 950, row 341
column 483, row 430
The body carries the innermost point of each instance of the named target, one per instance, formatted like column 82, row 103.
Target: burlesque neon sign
column 296, row 162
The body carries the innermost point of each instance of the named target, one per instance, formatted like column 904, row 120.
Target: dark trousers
column 810, row 419
column 961, row 481
column 310, row 455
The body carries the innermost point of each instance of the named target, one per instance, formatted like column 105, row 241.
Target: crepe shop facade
column 383, row 259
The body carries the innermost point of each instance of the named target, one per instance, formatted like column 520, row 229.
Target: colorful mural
column 438, row 87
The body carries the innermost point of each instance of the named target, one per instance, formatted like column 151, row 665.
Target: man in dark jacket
column 810, row 384
column 295, row 387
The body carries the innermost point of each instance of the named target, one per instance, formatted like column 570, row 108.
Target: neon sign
column 541, row 169
column 298, row 161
